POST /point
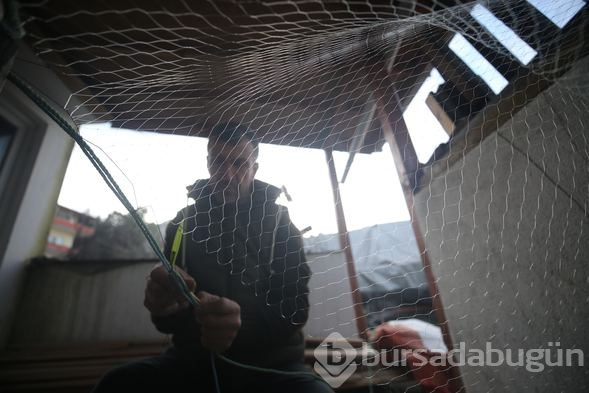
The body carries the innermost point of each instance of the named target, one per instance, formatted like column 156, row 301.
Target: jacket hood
column 262, row 191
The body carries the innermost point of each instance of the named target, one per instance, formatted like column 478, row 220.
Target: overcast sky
column 154, row 169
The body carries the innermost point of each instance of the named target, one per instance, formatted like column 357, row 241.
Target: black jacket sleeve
column 287, row 298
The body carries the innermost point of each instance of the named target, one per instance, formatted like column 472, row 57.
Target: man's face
column 232, row 168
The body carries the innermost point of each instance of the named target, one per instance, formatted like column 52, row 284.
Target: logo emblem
column 335, row 360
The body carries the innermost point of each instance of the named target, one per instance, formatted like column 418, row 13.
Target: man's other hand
column 162, row 297
column 220, row 320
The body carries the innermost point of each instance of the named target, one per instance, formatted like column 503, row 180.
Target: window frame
column 19, row 161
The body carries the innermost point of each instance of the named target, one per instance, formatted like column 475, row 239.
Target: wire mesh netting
column 481, row 105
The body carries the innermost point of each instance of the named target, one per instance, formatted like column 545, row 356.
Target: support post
column 344, row 240
column 390, row 114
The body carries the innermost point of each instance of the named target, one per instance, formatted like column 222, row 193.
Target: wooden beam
column 345, row 244
column 396, row 138
column 440, row 114
column 390, row 113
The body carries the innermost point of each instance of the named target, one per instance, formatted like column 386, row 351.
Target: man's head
column 232, row 155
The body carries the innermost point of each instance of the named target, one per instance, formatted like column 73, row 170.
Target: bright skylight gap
column 507, row 37
column 477, row 63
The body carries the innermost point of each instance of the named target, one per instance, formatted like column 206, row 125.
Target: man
column 243, row 257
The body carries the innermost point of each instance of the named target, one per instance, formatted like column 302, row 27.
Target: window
column 56, row 240
column 21, row 134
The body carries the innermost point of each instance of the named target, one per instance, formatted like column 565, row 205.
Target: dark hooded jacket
column 249, row 252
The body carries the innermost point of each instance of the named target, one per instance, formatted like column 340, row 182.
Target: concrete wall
column 507, row 231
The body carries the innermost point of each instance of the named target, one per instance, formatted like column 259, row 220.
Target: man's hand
column 220, row 320
column 162, row 297
column 219, row 317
